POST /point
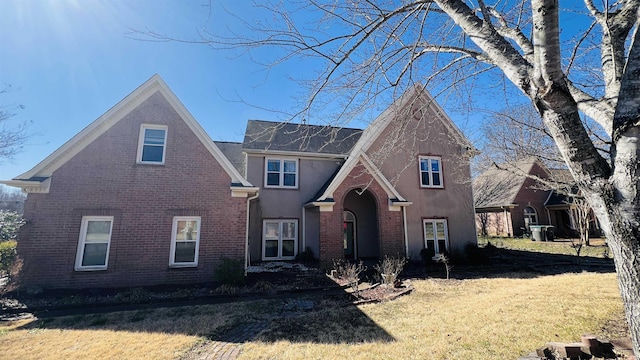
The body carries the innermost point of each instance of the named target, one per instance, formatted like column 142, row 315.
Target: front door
column 349, row 236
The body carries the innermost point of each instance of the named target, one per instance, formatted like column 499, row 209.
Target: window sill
column 90, row 269
column 150, row 163
column 183, row 266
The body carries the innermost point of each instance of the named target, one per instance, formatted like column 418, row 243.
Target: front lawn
column 487, row 318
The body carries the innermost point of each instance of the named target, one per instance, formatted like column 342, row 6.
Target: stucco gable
column 416, row 98
column 155, row 84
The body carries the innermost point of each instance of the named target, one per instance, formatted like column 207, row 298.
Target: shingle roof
column 498, row 187
column 278, row 136
column 233, row 152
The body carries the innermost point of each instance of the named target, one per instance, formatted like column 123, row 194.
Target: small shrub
column 444, row 259
column 7, row 254
column 426, row 255
column 134, row 295
column 475, row 255
column 389, row 269
column 226, row 289
column 262, row 287
column 230, row 272
column 349, row 272
column 306, row 257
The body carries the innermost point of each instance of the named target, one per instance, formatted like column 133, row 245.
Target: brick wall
column 390, row 229
column 104, row 179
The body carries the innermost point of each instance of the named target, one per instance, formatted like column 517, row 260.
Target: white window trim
column 264, row 242
column 420, row 171
column 281, row 181
column 82, row 241
column 435, row 234
column 174, row 228
column 143, row 127
column 533, row 214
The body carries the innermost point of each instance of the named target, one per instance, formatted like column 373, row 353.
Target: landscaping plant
column 389, row 268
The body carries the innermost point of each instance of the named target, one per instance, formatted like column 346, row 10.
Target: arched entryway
column 360, row 224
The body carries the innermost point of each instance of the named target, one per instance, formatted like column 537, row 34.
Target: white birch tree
column 366, row 49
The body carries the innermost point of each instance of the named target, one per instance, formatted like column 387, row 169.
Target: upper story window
column 93, row 243
column 281, row 173
column 152, row 144
column 430, row 172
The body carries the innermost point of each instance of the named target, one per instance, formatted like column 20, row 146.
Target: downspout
column 246, row 234
column 304, row 229
column 406, row 236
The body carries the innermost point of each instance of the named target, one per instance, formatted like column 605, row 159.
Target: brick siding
column 104, row 179
column 390, row 227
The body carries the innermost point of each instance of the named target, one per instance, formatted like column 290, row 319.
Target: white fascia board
column 202, row 135
column 377, row 174
column 351, row 163
column 98, row 127
column 241, row 191
column 323, row 205
column 29, row 186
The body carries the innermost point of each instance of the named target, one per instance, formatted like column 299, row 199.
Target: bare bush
column 389, row 268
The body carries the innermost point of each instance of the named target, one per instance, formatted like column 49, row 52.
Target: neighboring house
column 508, row 200
column 143, row 196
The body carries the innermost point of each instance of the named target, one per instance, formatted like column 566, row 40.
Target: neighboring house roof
column 558, row 200
column 39, row 175
column 499, row 186
column 274, row 137
column 233, row 152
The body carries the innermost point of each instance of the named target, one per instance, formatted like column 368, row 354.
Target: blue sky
column 69, row 61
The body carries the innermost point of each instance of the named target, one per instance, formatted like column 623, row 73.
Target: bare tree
column 12, row 136
column 11, row 199
column 372, row 48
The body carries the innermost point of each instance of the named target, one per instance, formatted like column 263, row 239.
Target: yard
column 502, row 315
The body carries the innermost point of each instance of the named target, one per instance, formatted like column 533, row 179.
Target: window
column 280, row 239
column 281, row 173
column 430, row 172
column 530, row 217
column 185, row 241
column 436, row 239
column 93, row 244
column 152, row 144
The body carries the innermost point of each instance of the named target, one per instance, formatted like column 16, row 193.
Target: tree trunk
column 625, row 249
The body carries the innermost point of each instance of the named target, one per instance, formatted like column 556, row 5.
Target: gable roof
column 274, row 137
column 416, row 95
column 233, row 152
column 51, row 163
column 499, row 186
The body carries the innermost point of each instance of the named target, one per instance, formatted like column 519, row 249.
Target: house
column 509, row 199
column 143, row 196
